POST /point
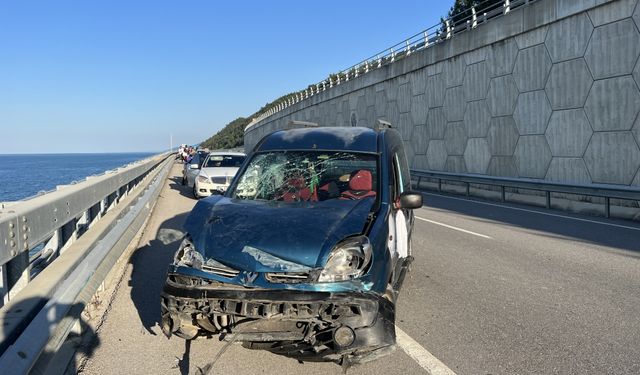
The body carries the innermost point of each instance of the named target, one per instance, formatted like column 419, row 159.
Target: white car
column 216, row 173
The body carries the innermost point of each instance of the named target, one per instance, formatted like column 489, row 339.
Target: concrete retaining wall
column 548, row 91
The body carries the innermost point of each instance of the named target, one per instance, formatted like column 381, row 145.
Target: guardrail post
column 426, row 39
column 407, row 48
column 468, row 188
column 393, row 55
column 502, row 195
column 4, row 290
column 439, row 185
column 379, row 61
column 548, row 194
column 448, row 24
column 17, row 273
column 607, row 207
column 507, row 6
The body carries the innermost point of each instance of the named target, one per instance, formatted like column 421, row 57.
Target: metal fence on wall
column 479, row 13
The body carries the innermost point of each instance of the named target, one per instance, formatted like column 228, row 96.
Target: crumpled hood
column 262, row 236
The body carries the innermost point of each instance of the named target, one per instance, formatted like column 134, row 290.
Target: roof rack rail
column 304, row 124
column 382, row 124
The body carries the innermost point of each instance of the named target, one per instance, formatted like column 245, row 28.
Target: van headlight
column 187, row 255
column 348, row 260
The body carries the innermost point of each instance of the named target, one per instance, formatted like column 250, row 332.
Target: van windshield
column 294, row 176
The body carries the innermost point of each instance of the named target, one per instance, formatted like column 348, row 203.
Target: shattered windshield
column 294, row 176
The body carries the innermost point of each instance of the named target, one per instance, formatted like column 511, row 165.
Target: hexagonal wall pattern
column 455, row 164
column 568, row 170
column 636, row 130
column 636, row 181
column 477, row 119
column 381, row 103
column 419, row 109
column 568, row 133
column 504, row 166
column 420, row 139
column 568, row 38
column 501, row 57
column 405, row 126
column 454, row 103
column 531, row 38
column 455, row 138
column 476, row 81
column 613, row 49
column 435, row 91
column 404, row 98
column 532, row 68
column 436, row 155
column 502, row 136
column 453, row 71
column 436, row 123
column 568, row 85
column 613, row 104
column 532, row 156
column 502, row 95
column 532, row 112
column 636, row 16
column 418, row 81
column 613, row 11
column 477, row 155
column 612, row 158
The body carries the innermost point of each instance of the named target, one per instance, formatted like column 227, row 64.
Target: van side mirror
column 410, row 200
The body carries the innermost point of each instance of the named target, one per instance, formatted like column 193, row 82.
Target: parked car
column 305, row 253
column 216, row 173
column 191, row 169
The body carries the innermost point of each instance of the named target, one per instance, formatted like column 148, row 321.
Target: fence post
column 426, row 39
column 474, row 17
column 507, row 6
column 448, row 24
column 407, row 48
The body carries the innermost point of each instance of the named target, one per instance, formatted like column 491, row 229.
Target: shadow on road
column 554, row 227
column 18, row 317
column 184, row 190
column 149, row 270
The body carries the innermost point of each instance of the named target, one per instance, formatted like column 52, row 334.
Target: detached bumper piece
column 347, row 328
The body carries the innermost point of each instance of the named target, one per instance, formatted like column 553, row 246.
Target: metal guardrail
column 35, row 231
column 479, row 13
column 604, row 191
column 36, row 322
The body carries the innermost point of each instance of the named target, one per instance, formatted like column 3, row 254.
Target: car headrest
column 362, row 180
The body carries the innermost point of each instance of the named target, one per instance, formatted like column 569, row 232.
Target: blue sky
column 120, row 76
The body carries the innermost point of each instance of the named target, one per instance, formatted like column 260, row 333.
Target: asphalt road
column 493, row 290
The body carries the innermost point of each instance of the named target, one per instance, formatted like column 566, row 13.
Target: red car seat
column 360, row 186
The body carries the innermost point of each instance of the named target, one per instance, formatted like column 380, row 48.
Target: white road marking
column 419, row 354
column 535, row 212
column 454, row 228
